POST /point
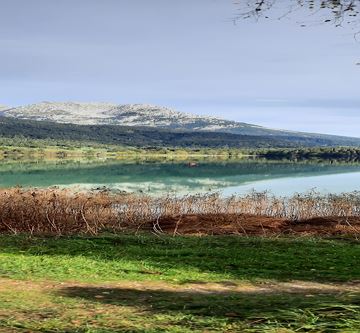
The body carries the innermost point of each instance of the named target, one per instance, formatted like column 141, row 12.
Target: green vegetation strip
column 179, row 259
column 141, row 284
column 20, row 147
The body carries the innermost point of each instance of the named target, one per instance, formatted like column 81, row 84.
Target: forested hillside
column 154, row 137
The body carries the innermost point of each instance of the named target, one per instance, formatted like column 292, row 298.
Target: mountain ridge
column 146, row 115
column 150, row 137
column 3, row 107
column 102, row 113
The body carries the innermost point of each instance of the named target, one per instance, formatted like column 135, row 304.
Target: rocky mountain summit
column 132, row 115
column 143, row 115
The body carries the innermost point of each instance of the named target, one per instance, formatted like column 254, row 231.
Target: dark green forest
column 146, row 137
column 305, row 153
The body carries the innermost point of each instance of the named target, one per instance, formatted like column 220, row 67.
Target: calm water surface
column 228, row 177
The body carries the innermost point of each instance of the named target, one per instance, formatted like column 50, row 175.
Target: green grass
column 179, row 259
column 141, row 284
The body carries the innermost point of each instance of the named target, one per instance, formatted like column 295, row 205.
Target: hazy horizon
column 185, row 55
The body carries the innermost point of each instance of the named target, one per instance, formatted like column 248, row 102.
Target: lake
column 179, row 177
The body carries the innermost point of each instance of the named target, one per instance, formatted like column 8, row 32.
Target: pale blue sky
column 184, row 54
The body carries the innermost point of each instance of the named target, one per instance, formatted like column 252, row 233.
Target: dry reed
column 65, row 212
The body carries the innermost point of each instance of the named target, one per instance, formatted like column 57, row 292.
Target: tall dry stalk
column 64, row 212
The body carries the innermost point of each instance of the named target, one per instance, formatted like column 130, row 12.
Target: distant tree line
column 306, row 153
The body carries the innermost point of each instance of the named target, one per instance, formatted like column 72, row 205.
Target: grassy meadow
column 148, row 283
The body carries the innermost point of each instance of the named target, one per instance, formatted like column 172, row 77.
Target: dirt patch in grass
column 223, row 224
column 157, row 306
column 192, row 287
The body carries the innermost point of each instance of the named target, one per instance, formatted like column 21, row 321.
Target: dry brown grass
column 65, row 212
column 54, row 211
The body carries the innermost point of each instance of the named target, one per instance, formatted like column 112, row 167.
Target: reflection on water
column 154, row 177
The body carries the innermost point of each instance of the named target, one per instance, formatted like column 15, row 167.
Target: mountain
column 141, row 115
column 126, row 115
column 19, row 130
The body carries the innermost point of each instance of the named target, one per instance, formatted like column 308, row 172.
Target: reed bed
column 65, row 212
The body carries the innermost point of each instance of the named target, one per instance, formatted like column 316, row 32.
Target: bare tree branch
column 312, row 12
column 336, row 12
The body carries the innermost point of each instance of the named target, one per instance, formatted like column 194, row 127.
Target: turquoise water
column 228, row 177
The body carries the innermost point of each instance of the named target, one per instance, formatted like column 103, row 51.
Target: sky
column 184, row 54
